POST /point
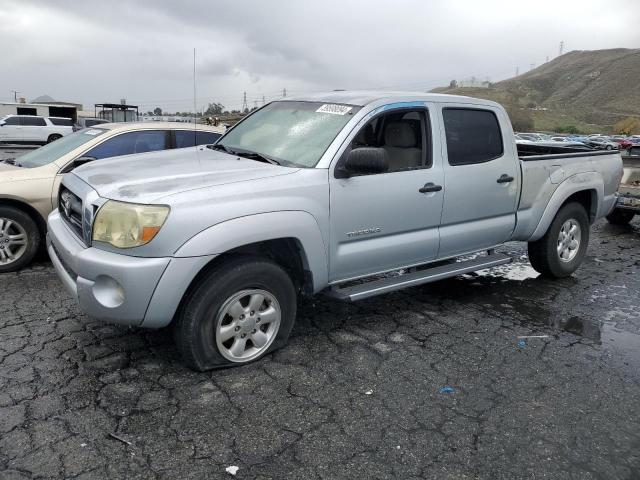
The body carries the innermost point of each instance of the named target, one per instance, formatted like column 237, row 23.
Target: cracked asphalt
column 356, row 393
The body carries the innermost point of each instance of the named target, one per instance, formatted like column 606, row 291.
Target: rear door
column 384, row 221
column 482, row 177
column 34, row 129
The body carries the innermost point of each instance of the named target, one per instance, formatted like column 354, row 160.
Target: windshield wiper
column 12, row 161
column 224, row 148
column 261, row 157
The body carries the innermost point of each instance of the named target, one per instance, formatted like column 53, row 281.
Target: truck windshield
column 54, row 150
column 292, row 133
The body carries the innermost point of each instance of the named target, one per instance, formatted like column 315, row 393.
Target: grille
column 70, row 207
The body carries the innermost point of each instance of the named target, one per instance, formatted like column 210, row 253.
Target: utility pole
column 561, row 50
column 547, row 59
column 517, row 71
column 244, row 102
column 255, row 104
column 15, row 95
column 284, row 92
column 263, row 102
column 533, row 65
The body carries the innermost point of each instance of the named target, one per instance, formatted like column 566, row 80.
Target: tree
column 157, row 111
column 214, row 109
column 628, row 126
column 453, row 84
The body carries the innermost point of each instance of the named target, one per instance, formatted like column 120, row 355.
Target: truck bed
column 543, row 173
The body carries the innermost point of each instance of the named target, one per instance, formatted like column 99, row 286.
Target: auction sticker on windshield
column 334, row 109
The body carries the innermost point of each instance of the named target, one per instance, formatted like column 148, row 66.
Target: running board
column 427, row 275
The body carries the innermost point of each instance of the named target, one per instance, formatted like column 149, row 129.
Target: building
column 44, row 109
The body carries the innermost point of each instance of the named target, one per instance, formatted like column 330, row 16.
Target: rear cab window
column 473, row 135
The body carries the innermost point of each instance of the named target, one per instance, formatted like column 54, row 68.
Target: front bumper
column 119, row 288
column 628, row 201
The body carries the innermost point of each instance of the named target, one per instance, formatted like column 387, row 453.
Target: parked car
column 29, row 184
column 628, row 204
column 322, row 193
column 86, row 122
column 602, row 143
column 30, row 129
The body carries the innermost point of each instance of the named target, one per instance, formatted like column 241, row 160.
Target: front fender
column 587, row 181
column 241, row 231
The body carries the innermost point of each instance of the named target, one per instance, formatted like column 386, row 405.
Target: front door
column 388, row 220
column 11, row 130
column 482, row 176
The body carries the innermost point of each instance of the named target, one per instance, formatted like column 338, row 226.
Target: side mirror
column 365, row 160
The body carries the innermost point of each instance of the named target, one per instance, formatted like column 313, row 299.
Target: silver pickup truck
column 327, row 193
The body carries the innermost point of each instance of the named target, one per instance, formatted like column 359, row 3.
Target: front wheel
column 19, row 239
column 53, row 137
column 561, row 250
column 239, row 311
column 620, row 217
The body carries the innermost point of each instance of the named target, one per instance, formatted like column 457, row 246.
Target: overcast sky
column 101, row 51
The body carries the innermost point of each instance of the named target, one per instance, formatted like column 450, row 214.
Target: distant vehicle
column 628, row 203
column 311, row 194
column 29, row 184
column 602, row 143
column 33, row 130
column 86, row 122
column 624, row 142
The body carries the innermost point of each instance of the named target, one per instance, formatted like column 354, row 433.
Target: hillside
column 591, row 90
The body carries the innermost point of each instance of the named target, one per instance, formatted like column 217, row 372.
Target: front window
column 54, row 150
column 292, row 133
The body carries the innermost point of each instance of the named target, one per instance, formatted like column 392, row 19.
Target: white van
column 32, row 129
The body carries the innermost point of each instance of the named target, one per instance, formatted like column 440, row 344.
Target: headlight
column 127, row 225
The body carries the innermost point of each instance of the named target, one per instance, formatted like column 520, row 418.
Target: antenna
column 561, row 49
column 194, row 89
column 263, row 100
column 244, row 102
column 284, row 92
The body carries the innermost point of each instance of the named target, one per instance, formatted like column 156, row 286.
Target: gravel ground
column 356, row 394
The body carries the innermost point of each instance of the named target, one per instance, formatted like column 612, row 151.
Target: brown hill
column 591, row 90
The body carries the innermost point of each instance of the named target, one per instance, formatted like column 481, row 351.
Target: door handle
column 430, row 187
column 504, row 178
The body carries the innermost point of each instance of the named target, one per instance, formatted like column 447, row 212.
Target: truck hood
column 144, row 178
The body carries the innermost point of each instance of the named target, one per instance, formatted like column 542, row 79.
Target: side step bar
column 427, row 275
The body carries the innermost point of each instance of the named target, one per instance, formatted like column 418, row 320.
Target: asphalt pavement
column 431, row 382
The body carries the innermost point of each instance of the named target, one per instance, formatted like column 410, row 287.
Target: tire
column 545, row 254
column 19, row 239
column 217, row 326
column 620, row 217
column 53, row 137
column 609, row 147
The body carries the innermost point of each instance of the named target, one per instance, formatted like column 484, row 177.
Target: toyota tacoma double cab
column 326, row 193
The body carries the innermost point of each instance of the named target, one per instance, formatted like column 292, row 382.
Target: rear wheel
column 53, row 137
column 561, row 250
column 609, row 147
column 19, row 239
column 620, row 217
column 239, row 311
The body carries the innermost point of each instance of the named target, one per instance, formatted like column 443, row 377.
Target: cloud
column 95, row 51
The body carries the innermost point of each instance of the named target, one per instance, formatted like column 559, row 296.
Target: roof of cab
column 124, row 126
column 365, row 97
